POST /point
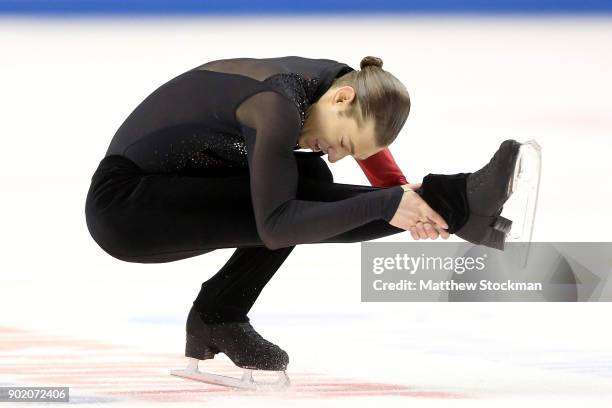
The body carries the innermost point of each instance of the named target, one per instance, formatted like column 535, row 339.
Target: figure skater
column 211, row 159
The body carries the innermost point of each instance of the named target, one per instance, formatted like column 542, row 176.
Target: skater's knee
column 109, row 236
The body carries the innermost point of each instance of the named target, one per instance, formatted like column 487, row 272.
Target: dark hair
column 378, row 95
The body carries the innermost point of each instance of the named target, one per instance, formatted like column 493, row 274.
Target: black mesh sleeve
column 271, row 126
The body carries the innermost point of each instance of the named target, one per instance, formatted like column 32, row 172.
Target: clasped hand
column 413, row 214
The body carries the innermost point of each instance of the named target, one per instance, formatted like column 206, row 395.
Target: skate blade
column 527, row 165
column 524, row 190
column 246, row 382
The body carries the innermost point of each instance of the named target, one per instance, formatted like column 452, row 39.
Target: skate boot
column 241, row 343
column 471, row 203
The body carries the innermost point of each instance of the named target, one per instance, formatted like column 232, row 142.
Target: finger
column 444, row 234
column 414, row 186
column 414, row 233
column 435, row 218
column 431, row 231
column 421, row 230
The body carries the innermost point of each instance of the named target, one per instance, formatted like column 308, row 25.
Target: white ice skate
column 246, row 382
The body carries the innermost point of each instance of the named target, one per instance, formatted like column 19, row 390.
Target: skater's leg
column 151, row 218
column 231, row 292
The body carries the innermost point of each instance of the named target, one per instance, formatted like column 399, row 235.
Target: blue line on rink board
column 295, row 7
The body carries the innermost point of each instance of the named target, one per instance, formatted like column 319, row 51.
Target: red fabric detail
column 382, row 170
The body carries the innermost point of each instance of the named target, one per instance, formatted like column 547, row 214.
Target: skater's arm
column 382, row 170
column 271, row 126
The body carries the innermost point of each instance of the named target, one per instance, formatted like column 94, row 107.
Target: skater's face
column 337, row 134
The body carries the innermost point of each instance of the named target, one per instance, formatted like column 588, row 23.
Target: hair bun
column 371, row 61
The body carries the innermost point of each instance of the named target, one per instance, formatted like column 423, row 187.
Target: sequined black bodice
column 297, row 88
column 215, row 150
column 199, row 148
column 193, row 148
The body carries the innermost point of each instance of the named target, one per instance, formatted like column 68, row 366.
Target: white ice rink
column 72, row 315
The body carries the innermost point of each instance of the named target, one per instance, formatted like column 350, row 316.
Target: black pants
column 150, row 218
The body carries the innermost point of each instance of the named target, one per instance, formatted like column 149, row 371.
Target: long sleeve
column 271, row 126
column 382, row 170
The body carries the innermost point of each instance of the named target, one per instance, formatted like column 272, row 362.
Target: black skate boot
column 471, row 203
column 241, row 343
